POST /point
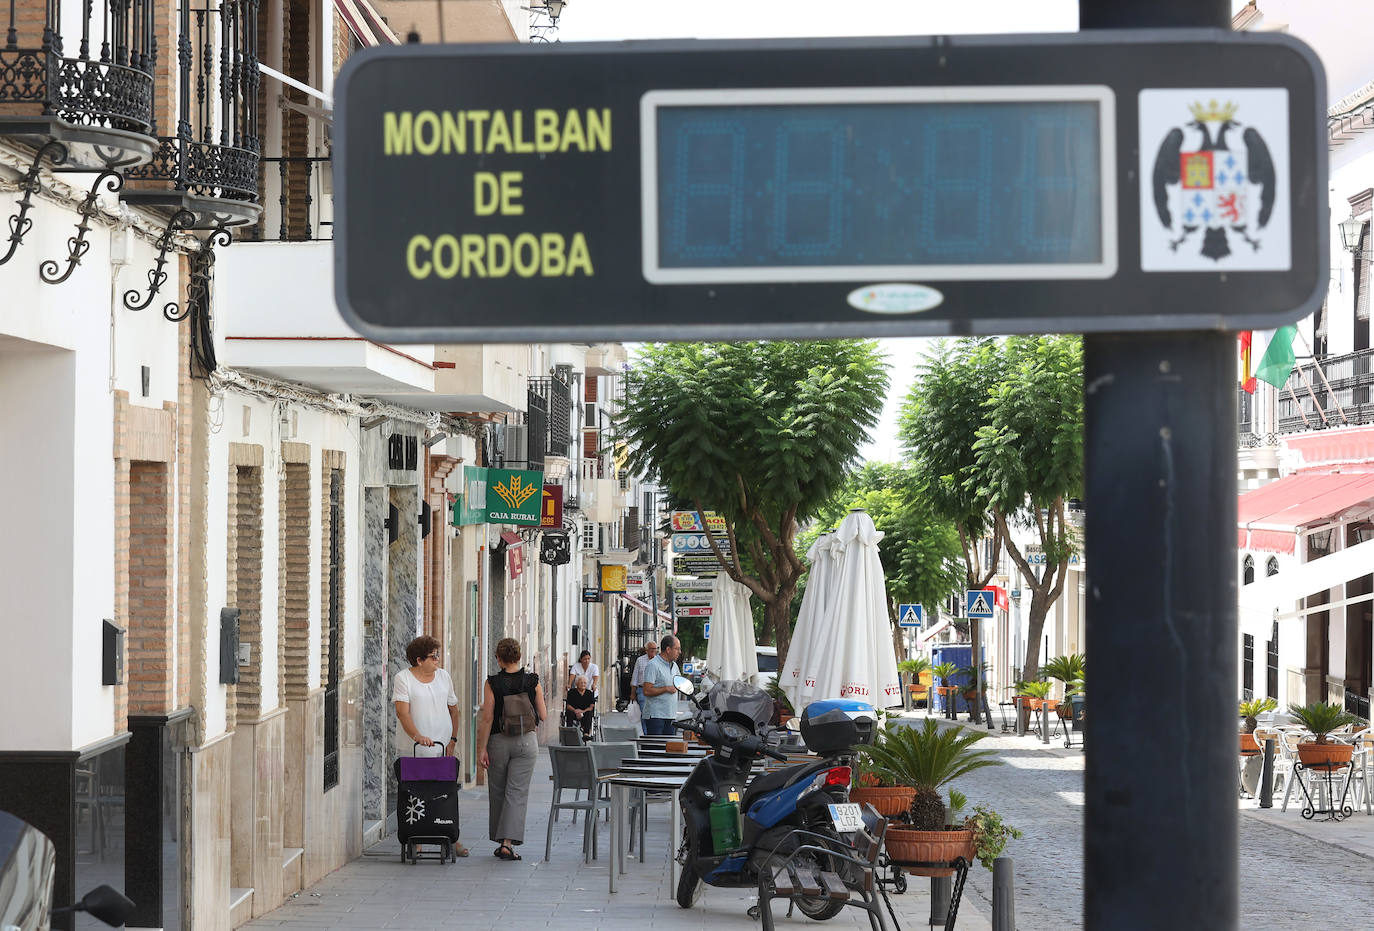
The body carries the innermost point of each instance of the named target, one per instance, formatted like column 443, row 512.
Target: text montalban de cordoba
column 493, row 132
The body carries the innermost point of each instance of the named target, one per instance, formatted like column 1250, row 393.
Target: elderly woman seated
column 579, row 706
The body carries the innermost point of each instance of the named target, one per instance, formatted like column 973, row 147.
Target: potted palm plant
column 1249, row 711
column 913, row 668
column 1321, row 719
column 926, row 758
column 1066, row 669
column 944, row 673
column 874, row 785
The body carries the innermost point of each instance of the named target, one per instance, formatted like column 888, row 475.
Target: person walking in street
column 585, row 667
column 578, row 706
column 512, row 707
column 637, row 677
column 660, row 706
column 426, row 706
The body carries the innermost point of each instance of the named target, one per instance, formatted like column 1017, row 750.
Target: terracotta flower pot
column 888, row 801
column 1249, row 746
column 1325, row 756
column 1032, row 703
column 929, row 853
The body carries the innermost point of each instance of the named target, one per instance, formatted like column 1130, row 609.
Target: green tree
column 762, row 433
column 997, row 428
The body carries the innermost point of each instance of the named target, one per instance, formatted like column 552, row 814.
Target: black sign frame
column 382, row 202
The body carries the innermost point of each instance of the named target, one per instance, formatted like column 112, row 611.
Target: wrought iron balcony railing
column 211, row 163
column 297, row 201
column 107, row 86
column 1337, row 396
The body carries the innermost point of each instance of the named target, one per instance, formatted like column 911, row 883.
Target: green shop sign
column 501, row 496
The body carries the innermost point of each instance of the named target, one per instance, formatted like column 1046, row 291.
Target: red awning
column 365, row 23
column 1270, row 517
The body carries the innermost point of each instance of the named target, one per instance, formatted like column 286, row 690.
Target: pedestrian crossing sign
column 979, row 602
column 910, row 616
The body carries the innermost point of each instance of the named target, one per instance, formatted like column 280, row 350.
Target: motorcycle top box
column 834, row 725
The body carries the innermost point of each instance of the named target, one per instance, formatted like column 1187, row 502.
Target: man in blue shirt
column 660, row 703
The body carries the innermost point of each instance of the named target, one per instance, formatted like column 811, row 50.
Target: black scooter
column 735, row 828
column 27, row 862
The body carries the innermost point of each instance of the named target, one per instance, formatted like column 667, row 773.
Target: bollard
column 1044, row 724
column 941, row 891
column 1003, row 895
column 1266, row 794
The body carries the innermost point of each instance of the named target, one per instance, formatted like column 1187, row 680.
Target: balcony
column 206, row 174
column 91, row 112
column 276, row 313
column 1342, row 387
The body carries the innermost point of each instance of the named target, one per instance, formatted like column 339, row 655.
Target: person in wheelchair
column 579, row 706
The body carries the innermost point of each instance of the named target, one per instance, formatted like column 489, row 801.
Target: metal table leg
column 615, row 834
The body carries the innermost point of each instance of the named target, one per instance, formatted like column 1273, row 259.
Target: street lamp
column 555, row 9
column 1350, row 233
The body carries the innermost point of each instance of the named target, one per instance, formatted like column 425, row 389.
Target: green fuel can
column 725, row 827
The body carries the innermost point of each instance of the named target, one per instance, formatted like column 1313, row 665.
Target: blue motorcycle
column 735, row 828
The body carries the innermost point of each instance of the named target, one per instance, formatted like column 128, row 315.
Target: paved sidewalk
column 480, row 891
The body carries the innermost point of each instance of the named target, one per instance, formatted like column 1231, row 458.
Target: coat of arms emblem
column 1214, row 179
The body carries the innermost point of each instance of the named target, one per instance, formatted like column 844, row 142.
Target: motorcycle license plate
column 846, row 817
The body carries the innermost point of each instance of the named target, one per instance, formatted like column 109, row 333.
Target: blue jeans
column 658, row 727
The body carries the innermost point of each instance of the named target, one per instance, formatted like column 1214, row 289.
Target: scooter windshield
column 743, row 699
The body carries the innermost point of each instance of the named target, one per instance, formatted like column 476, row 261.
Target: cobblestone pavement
column 1293, row 873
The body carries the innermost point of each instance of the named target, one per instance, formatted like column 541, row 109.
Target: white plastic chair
column 1288, row 752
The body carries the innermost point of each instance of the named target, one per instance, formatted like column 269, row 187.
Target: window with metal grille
column 536, row 429
column 589, row 537
column 1247, row 667
column 1271, row 684
column 1247, row 573
column 334, row 620
column 631, row 532
column 1320, row 326
column 1271, row 567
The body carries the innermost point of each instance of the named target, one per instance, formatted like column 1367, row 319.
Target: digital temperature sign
column 919, row 186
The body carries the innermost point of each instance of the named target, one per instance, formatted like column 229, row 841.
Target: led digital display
column 1003, row 184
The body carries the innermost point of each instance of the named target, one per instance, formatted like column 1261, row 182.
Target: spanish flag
column 1247, row 377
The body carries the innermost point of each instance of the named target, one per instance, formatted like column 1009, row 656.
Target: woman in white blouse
column 585, row 667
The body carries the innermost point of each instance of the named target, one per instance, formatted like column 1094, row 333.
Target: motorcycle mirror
column 794, row 725
column 683, row 685
column 108, row 905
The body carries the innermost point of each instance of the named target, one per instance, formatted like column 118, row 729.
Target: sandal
column 459, row 850
column 505, row 853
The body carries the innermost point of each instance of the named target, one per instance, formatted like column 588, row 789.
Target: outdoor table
column 621, row 785
column 665, row 755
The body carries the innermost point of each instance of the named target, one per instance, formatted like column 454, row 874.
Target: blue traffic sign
column 706, row 631
column 910, row 615
column 979, row 603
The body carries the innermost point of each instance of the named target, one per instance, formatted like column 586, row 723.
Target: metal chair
column 618, row 733
column 574, row 769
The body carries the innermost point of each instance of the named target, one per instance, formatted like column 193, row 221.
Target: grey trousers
column 508, row 784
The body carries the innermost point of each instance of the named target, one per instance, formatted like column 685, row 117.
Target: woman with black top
column 508, row 758
column 578, row 706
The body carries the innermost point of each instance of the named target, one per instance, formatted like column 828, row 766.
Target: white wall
column 37, row 551
column 320, row 430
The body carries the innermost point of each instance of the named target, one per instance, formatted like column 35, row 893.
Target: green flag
column 1277, row 362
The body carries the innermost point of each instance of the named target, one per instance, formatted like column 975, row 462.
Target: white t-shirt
column 591, row 672
column 429, row 704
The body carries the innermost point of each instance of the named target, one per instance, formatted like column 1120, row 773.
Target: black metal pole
column 1266, row 796
column 1160, row 815
column 1160, row 818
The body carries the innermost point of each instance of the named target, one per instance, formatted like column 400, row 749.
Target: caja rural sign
column 1171, row 179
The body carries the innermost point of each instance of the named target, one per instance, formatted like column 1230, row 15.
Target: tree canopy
column 763, row 433
column 995, row 428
